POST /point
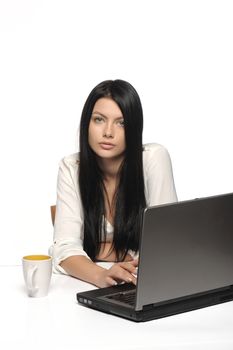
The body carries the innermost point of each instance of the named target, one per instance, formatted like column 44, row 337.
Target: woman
column 102, row 190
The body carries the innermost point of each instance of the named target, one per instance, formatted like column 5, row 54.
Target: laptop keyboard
column 128, row 297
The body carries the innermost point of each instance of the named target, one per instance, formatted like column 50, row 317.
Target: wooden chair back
column 53, row 213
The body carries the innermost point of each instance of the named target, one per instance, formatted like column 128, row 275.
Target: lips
column 107, row 145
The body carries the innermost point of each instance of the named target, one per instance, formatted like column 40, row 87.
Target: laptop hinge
column 147, row 307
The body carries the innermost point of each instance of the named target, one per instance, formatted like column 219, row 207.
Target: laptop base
column 95, row 299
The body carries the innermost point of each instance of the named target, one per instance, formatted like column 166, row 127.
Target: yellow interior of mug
column 37, row 257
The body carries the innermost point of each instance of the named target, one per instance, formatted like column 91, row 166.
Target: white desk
column 58, row 322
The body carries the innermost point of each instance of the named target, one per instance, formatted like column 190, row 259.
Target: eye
column 121, row 123
column 98, row 119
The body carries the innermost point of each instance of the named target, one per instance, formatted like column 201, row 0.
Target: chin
column 108, row 154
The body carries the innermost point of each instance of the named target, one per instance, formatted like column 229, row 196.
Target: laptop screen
column 186, row 248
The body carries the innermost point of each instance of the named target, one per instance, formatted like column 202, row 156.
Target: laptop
column 185, row 262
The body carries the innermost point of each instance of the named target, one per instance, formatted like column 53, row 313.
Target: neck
column 110, row 167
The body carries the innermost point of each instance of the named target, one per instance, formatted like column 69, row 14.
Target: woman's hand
column 118, row 273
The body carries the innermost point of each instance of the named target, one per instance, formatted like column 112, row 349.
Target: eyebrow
column 102, row 115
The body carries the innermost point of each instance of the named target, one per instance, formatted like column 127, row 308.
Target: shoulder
column 152, row 150
column 155, row 157
column 152, row 147
column 70, row 161
column 68, row 167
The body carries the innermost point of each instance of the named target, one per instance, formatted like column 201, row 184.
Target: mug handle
column 30, row 280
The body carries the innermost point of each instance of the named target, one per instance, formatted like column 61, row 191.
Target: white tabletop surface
column 57, row 321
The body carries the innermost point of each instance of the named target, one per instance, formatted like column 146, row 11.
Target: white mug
column 37, row 270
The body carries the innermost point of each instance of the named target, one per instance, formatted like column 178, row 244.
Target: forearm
column 83, row 268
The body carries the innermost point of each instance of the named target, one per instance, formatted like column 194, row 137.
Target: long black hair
column 129, row 196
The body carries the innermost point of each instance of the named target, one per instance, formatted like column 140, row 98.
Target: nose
column 108, row 131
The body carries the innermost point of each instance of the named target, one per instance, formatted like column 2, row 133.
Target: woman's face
column 106, row 134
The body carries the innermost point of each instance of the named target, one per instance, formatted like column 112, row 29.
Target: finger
column 128, row 258
column 111, row 281
column 134, row 262
column 122, row 274
column 127, row 278
column 128, row 266
column 132, row 279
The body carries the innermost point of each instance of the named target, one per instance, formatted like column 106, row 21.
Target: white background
column 177, row 54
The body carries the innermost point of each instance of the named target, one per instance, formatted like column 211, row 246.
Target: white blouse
column 68, row 226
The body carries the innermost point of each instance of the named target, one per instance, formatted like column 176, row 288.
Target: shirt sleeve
column 158, row 176
column 68, row 226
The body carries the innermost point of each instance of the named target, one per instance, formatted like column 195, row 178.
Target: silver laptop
column 185, row 262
